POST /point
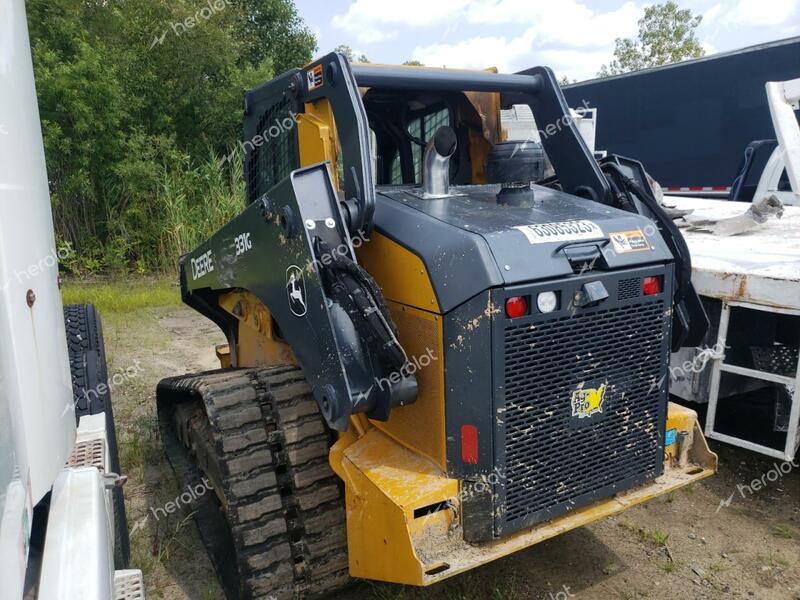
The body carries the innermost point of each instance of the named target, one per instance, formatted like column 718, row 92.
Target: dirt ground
column 686, row 545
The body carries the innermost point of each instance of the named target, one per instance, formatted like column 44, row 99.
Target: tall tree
column 130, row 88
column 274, row 30
column 348, row 52
column 666, row 35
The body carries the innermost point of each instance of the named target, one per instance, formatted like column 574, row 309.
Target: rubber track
column 284, row 504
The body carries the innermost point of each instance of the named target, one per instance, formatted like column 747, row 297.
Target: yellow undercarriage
column 394, row 535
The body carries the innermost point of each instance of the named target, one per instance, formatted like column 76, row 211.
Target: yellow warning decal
column 314, row 78
column 629, row 241
column 588, row 401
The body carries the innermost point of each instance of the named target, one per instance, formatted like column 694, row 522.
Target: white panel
column 760, row 267
column 783, row 97
column 34, row 369
column 78, row 552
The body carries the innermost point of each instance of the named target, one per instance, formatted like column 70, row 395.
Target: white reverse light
column 547, row 302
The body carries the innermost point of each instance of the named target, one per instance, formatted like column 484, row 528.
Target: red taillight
column 651, row 286
column 517, row 306
column 469, row 444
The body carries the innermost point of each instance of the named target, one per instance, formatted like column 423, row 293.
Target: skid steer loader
column 432, row 361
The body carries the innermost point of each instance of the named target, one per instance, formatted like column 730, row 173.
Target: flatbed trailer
column 751, row 283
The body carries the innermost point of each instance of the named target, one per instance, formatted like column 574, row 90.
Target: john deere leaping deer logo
column 587, row 401
column 296, row 291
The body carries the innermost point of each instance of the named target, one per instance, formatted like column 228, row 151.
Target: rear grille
column 554, row 461
column 630, row 288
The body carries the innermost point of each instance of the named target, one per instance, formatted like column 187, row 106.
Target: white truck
column 63, row 532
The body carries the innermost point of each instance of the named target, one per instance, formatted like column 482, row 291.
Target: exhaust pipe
column 436, row 164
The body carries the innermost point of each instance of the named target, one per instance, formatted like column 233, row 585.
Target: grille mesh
column 630, row 288
column 554, row 461
column 276, row 157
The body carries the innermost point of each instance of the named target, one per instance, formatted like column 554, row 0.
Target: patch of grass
column 655, row 536
column 717, row 566
column 782, row 531
column 658, row 537
column 139, row 444
column 774, row 559
column 666, row 565
column 628, row 526
column 122, row 295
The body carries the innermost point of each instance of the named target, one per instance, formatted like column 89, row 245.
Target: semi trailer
column 698, row 123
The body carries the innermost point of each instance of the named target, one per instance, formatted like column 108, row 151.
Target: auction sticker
column 629, row 241
column 563, row 231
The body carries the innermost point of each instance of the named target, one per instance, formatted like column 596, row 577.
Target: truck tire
column 92, row 396
column 274, row 525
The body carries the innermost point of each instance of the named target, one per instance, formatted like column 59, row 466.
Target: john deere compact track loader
column 435, row 356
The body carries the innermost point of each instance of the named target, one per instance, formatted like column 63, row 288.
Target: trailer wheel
column 274, row 524
column 90, row 391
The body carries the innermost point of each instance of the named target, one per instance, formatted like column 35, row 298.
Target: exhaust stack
column 436, row 163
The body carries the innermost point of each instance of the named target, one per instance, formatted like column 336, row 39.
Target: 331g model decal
column 243, row 243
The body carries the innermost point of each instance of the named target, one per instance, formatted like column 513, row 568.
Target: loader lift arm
column 292, row 251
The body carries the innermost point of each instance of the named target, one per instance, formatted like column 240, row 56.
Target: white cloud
column 476, row 52
column 514, row 54
column 712, row 14
column 372, row 36
column 571, row 38
column 568, row 23
column 576, row 64
column 762, row 12
column 372, row 21
column 709, row 48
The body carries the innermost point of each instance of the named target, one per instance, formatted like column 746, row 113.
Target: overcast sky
column 573, row 37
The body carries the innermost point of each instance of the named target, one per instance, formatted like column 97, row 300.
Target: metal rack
column 719, row 366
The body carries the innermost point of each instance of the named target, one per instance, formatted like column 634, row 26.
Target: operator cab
column 402, row 124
